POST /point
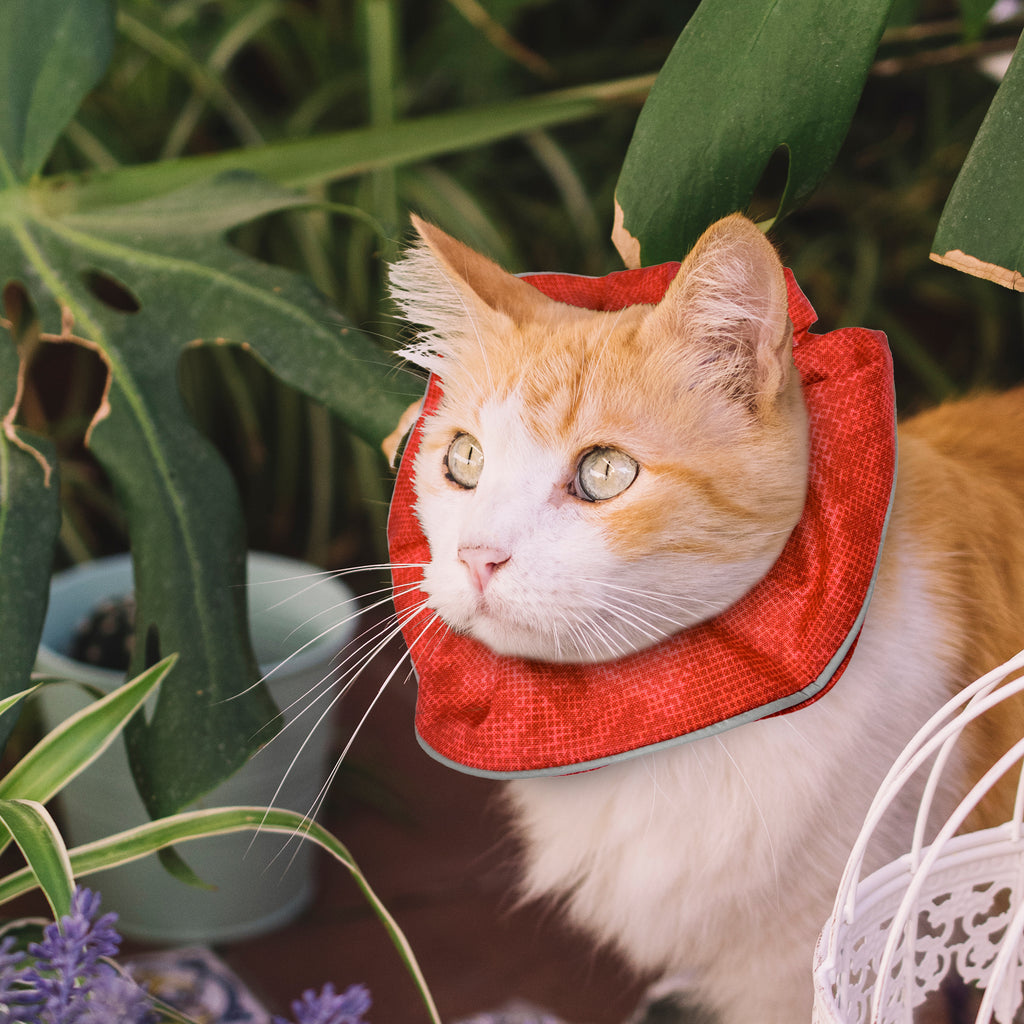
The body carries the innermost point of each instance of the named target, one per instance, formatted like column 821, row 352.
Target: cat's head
column 595, row 481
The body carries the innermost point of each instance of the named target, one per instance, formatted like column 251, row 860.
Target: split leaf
column 29, row 520
column 139, row 284
column 743, row 81
column 981, row 230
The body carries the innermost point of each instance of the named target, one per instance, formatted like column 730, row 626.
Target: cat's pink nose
column 481, row 564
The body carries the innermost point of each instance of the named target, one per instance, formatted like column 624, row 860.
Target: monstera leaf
column 51, row 55
column 743, row 80
column 137, row 284
column 982, row 227
column 45, row 70
column 29, row 518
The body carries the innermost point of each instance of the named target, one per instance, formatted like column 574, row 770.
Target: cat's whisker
column 386, row 590
column 669, row 599
column 384, row 635
column 352, row 654
column 356, row 659
column 604, row 633
column 319, row 577
column 433, row 624
column 579, row 627
column 441, row 631
column 627, row 613
column 326, row 632
column 687, row 604
column 560, row 623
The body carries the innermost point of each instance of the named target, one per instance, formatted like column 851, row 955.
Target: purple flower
column 67, row 958
column 15, row 988
column 330, row 1007
column 115, row 997
column 68, row 978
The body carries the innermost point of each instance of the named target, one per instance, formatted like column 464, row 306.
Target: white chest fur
column 718, row 860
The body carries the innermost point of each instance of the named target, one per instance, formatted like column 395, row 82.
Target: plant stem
column 381, row 72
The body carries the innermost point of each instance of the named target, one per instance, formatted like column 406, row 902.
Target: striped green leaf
column 70, row 748
column 44, row 851
column 156, row 835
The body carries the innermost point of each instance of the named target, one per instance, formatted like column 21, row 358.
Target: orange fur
column 639, row 379
column 960, row 502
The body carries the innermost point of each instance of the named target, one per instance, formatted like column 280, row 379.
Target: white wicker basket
column 957, row 903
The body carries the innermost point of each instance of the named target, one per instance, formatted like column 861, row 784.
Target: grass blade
column 155, row 835
column 80, row 739
column 40, row 842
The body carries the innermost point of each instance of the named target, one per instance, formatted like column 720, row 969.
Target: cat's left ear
column 456, row 294
column 725, row 316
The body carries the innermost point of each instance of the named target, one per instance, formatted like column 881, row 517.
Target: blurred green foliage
column 190, row 77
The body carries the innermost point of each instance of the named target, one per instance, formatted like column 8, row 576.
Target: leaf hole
column 64, row 389
column 771, row 186
column 18, row 308
column 112, row 293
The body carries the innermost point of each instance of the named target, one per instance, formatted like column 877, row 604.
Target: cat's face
column 593, row 482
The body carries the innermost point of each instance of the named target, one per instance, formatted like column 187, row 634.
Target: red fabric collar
column 778, row 648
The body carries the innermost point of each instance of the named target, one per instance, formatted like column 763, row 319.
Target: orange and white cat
column 595, row 481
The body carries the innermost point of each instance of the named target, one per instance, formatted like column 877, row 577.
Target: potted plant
column 69, row 974
column 132, row 265
column 131, row 268
column 301, row 619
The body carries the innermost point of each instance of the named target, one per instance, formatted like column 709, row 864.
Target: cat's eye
column 604, row 473
column 464, row 460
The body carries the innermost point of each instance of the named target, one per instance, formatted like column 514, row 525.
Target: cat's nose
column 482, row 563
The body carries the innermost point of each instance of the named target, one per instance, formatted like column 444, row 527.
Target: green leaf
column 29, row 521
column 975, row 16
column 41, row 844
column 8, row 703
column 744, row 79
column 139, row 284
column 981, row 230
column 122, row 265
column 307, row 162
column 52, row 52
column 70, row 748
column 197, row 210
column 155, row 835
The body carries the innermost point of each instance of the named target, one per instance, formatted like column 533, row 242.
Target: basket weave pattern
column 954, row 904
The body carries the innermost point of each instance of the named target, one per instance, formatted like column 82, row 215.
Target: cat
column 596, row 481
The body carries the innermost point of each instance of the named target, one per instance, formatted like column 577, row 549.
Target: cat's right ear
column 726, row 315
column 454, row 295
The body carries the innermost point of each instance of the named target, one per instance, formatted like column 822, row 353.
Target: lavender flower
column 330, row 1007
column 68, row 956
column 15, row 989
column 115, row 997
column 67, row 978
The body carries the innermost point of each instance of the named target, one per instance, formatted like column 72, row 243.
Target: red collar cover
column 778, row 648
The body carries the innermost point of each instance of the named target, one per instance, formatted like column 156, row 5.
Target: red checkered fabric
column 779, row 647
